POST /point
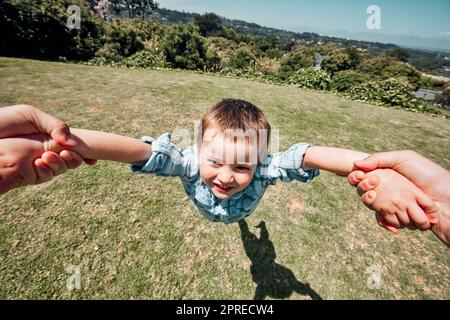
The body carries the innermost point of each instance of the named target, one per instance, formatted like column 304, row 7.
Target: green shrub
column 184, row 47
column 147, row 58
column 295, row 61
column 38, row 29
column 338, row 61
column 242, row 58
column 123, row 37
column 212, row 61
column 398, row 69
column 109, row 54
column 393, row 92
column 344, row 80
column 310, row 78
column 209, row 24
column 249, row 75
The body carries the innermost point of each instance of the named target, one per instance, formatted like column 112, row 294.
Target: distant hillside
column 433, row 62
column 174, row 16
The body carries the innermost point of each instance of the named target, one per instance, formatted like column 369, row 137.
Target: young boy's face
column 226, row 166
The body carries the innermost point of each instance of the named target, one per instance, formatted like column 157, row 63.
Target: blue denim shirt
column 167, row 160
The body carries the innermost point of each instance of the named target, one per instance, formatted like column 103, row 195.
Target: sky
column 405, row 22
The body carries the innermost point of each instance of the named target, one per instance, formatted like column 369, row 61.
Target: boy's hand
column 397, row 201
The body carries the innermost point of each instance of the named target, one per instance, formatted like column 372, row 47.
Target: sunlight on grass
column 136, row 236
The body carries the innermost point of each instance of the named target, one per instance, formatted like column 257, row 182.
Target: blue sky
column 411, row 21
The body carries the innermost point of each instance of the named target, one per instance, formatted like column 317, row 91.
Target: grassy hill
column 137, row 236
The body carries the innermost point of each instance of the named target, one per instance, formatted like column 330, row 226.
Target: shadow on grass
column 272, row 280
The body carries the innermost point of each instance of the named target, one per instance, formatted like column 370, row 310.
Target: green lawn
column 137, row 236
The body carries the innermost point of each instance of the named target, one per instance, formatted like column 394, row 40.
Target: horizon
column 411, row 24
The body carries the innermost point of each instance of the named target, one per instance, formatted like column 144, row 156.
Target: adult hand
column 25, row 120
column 424, row 173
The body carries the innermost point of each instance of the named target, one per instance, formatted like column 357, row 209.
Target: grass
column 135, row 236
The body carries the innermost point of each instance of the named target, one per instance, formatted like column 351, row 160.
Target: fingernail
column 51, row 158
column 68, row 156
column 72, row 142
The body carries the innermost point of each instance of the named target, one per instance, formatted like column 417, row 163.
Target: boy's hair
column 235, row 114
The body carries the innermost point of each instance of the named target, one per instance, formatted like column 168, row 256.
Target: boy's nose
column 225, row 175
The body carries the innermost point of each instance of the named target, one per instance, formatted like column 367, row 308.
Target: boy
column 228, row 170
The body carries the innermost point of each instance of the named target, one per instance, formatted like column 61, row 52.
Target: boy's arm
column 108, row 146
column 339, row 161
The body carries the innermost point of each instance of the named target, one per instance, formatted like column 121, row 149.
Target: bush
column 375, row 65
column 209, row 24
column 108, row 54
column 294, row 62
column 123, row 37
column 398, row 69
column 310, row 78
column 242, row 58
column 147, row 58
column 274, row 53
column 184, row 48
column 37, row 29
column 444, row 98
column 393, row 92
column 337, row 62
column 344, row 80
column 212, row 61
column 249, row 75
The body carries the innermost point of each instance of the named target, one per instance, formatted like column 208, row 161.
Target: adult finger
column 43, row 172
column 368, row 184
column 428, row 206
column 356, row 177
column 418, row 217
column 72, row 159
column 385, row 224
column 368, row 198
column 54, row 162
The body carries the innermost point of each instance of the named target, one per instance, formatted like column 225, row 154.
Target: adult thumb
column 377, row 160
column 56, row 128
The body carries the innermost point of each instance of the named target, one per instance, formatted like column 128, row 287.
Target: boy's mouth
column 222, row 188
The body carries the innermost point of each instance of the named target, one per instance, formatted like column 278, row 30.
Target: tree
column 344, row 80
column 242, row 58
column 135, row 7
column 102, row 8
column 294, row 62
column 209, row 24
column 354, row 56
column 400, row 54
column 444, row 97
column 337, row 62
column 38, row 29
column 184, row 47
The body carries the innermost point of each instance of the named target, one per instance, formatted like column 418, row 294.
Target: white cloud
column 444, row 34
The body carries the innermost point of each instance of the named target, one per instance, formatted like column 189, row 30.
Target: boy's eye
column 214, row 162
column 243, row 168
